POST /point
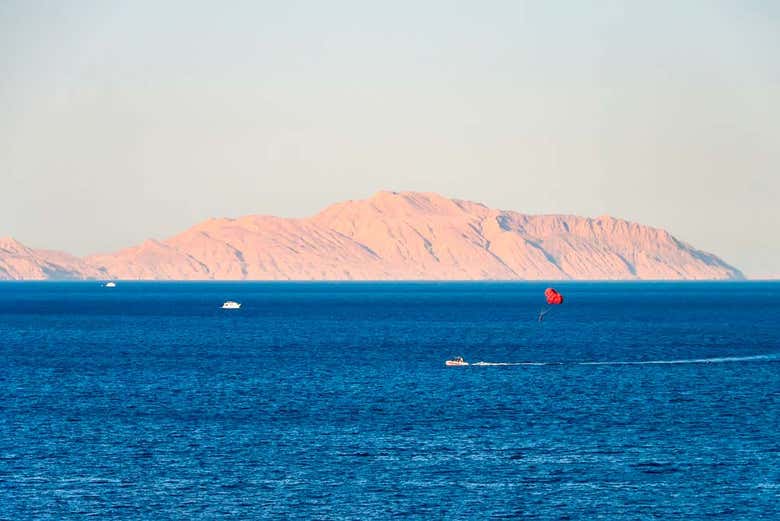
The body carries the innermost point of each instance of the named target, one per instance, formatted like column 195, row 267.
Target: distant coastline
column 391, row 236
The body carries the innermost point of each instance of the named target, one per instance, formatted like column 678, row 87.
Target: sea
column 629, row 401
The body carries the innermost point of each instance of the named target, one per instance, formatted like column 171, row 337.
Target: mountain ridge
column 392, row 236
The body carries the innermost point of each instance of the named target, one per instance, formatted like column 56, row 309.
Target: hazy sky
column 126, row 120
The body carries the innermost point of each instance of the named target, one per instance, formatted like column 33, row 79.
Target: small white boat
column 458, row 360
column 231, row 304
column 109, row 284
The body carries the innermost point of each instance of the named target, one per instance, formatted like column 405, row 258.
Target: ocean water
column 331, row 401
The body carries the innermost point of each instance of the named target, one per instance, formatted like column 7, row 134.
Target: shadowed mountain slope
column 18, row 262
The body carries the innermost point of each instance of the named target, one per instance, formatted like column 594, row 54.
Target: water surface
column 331, row 401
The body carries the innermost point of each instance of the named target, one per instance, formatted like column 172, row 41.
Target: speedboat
column 231, row 304
column 458, row 360
column 109, row 284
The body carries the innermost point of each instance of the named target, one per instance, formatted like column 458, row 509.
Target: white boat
column 231, row 304
column 109, row 284
column 458, row 360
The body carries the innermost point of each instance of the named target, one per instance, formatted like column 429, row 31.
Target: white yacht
column 231, row 304
column 110, row 284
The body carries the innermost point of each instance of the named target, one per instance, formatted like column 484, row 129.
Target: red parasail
column 553, row 297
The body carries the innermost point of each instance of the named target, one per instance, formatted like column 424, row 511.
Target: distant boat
column 109, row 284
column 230, row 304
column 458, row 360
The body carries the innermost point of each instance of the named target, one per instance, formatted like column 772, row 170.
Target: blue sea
column 331, row 401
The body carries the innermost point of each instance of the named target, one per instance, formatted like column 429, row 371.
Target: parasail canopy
column 553, row 297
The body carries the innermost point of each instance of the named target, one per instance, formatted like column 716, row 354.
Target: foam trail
column 511, row 363
column 717, row 360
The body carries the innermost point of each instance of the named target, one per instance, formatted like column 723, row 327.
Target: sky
column 121, row 121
